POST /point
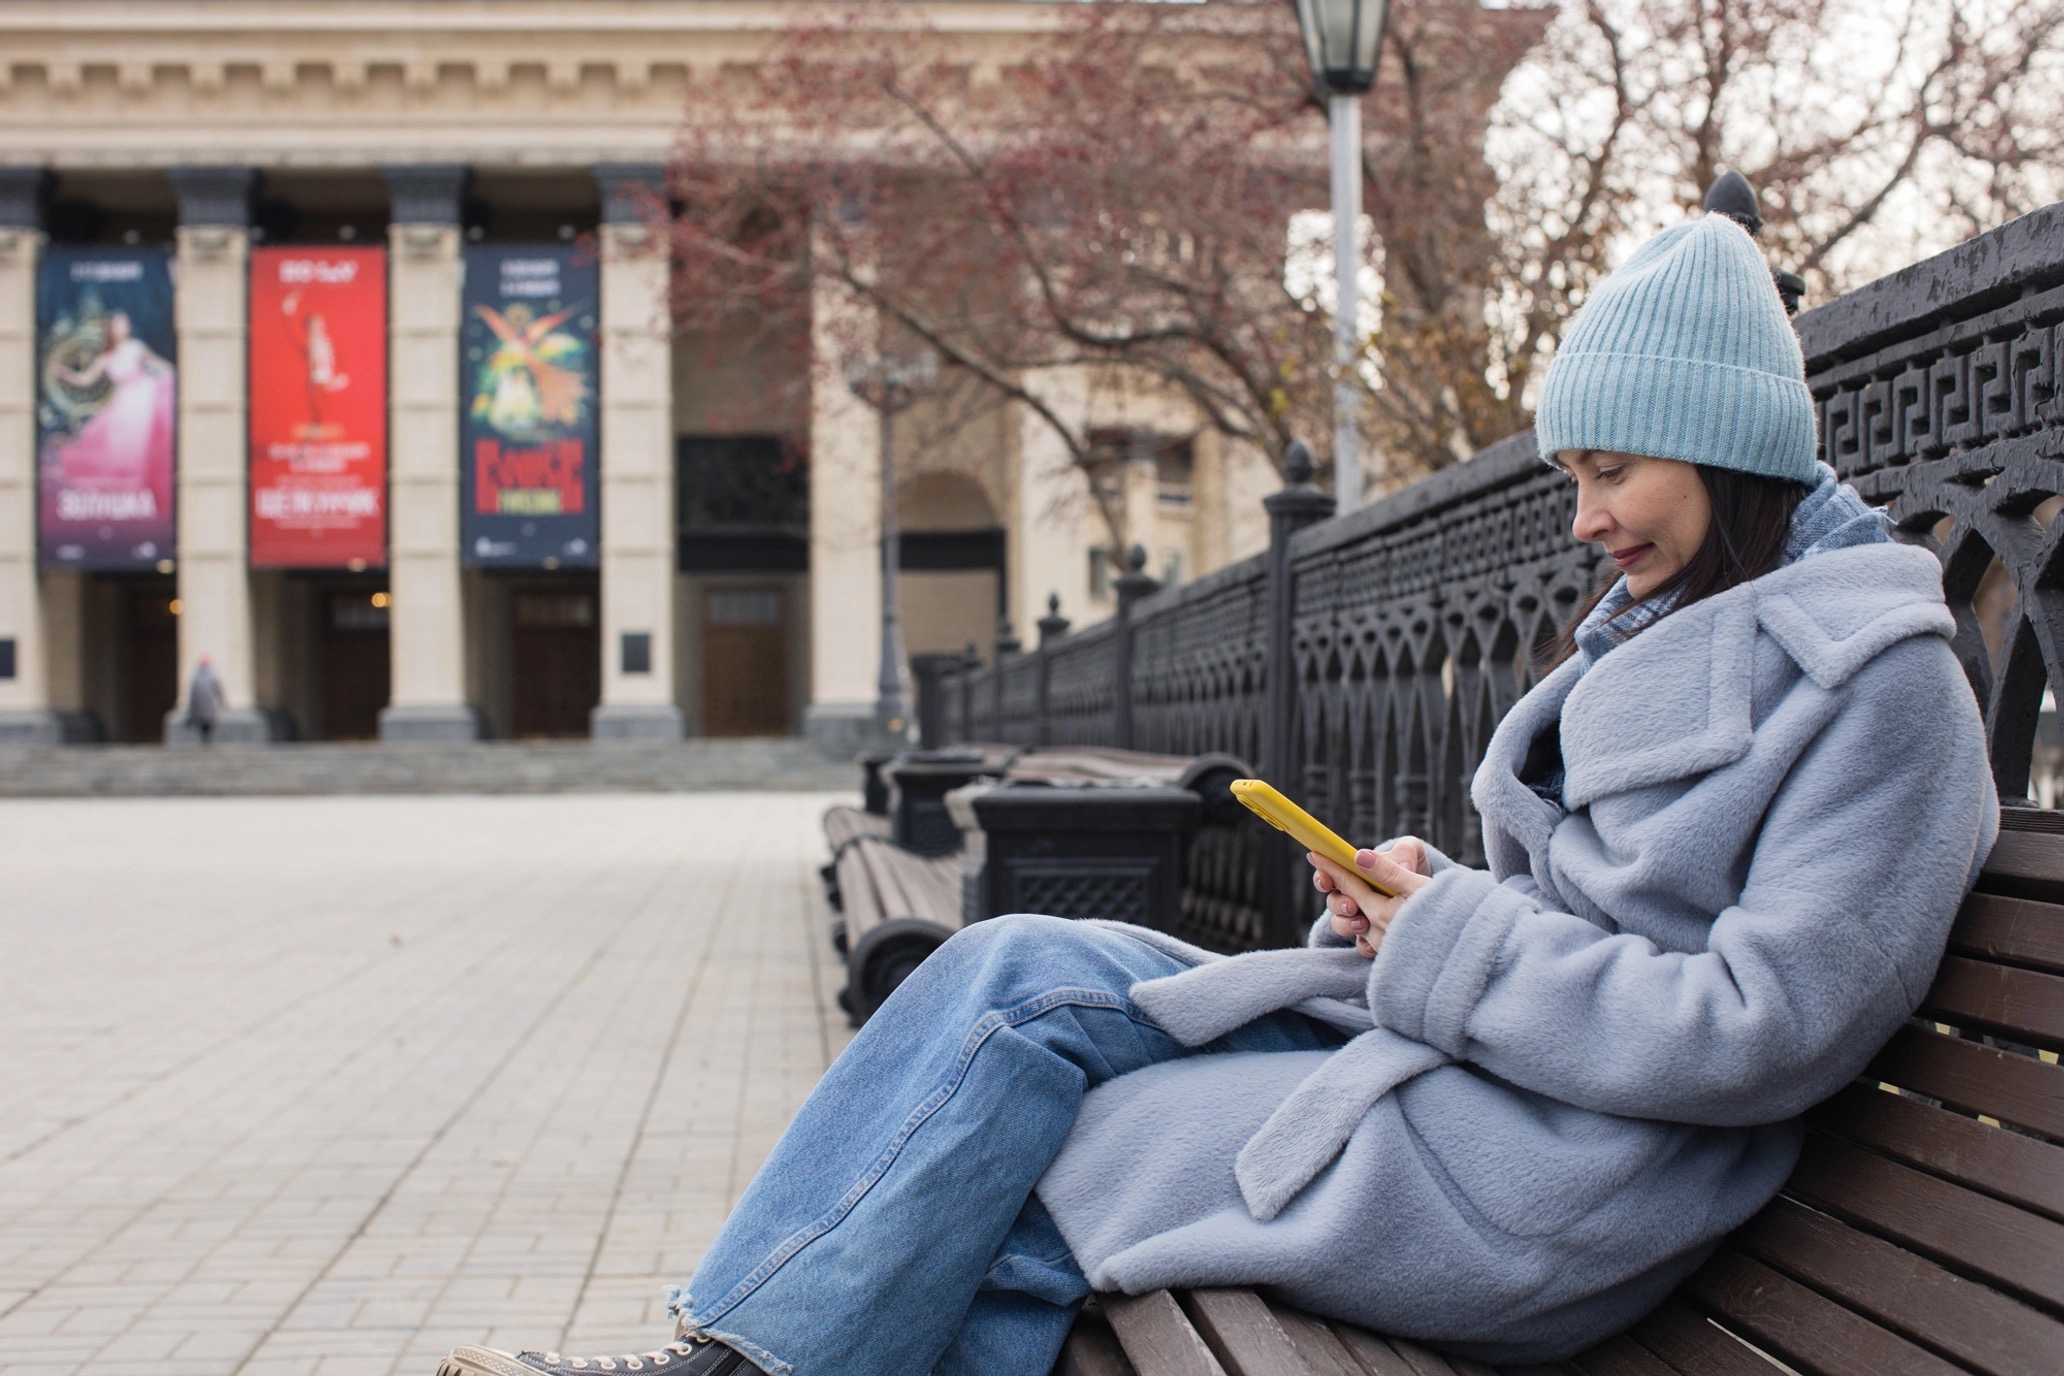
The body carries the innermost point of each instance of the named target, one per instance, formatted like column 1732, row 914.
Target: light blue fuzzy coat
column 1576, row 1072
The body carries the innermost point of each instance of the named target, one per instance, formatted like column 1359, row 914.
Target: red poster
column 318, row 407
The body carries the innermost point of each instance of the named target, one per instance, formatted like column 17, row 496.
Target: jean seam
column 988, row 1025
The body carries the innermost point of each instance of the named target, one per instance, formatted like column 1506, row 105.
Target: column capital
column 431, row 193
column 214, row 196
column 628, row 190
column 24, row 193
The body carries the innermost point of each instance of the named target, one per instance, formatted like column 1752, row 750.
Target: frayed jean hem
column 680, row 1304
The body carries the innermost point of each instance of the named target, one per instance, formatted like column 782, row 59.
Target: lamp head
column 1341, row 40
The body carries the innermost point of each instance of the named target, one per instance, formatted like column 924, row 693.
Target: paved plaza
column 328, row 1085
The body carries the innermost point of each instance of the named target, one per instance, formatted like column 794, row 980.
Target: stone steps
column 487, row 767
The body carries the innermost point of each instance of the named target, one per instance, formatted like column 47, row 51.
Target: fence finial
column 1298, row 464
column 1053, row 625
column 1136, row 558
column 1007, row 642
column 1732, row 196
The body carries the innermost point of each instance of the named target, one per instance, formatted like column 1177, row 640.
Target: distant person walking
column 204, row 700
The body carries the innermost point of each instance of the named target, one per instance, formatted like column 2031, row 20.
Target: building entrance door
column 745, row 662
column 152, row 632
column 356, row 665
column 555, row 643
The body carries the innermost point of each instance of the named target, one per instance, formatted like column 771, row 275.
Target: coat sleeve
column 1322, row 933
column 1864, row 853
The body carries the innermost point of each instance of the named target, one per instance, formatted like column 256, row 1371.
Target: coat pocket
column 1531, row 1165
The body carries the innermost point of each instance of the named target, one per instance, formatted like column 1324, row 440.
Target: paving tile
column 245, row 1132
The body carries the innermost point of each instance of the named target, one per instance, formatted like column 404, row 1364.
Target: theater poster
column 318, row 407
column 527, row 430
column 106, row 405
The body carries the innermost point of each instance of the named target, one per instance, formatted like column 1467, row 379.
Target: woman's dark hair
column 1752, row 518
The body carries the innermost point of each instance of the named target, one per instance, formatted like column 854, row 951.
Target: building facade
column 424, row 458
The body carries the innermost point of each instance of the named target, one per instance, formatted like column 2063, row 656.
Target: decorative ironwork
column 1414, row 624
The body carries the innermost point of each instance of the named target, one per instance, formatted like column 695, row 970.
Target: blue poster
column 528, row 385
column 107, row 401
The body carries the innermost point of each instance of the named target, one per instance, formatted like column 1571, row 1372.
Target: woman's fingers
column 1381, row 871
column 1410, row 852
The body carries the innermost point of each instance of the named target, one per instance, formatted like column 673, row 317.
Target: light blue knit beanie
column 1684, row 352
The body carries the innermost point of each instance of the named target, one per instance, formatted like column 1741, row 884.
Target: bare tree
column 1874, row 130
column 1114, row 201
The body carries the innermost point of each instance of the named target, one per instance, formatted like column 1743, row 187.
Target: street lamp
column 1341, row 40
column 889, row 384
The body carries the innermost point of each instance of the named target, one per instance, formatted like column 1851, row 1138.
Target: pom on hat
column 1685, row 352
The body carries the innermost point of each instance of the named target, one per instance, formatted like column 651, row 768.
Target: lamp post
column 890, row 384
column 1341, row 40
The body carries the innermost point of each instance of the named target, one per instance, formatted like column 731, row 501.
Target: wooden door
column 555, row 643
column 745, row 662
column 356, row 659
column 153, row 661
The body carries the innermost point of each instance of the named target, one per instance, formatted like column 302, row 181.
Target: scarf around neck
column 1831, row 516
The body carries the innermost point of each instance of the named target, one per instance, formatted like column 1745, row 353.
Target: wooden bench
column 898, row 908
column 1922, row 1231
column 842, row 826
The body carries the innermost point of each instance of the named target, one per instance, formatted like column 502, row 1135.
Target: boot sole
column 480, row 1361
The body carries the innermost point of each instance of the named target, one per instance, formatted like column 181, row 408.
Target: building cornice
column 276, row 83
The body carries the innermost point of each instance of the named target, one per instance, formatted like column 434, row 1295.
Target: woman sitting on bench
column 1727, row 835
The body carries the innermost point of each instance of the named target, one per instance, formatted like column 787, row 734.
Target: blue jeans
column 893, row 1229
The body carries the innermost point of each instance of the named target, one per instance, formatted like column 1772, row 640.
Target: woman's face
column 1649, row 515
column 118, row 327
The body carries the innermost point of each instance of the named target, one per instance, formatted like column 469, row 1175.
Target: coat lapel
column 1670, row 703
column 1506, row 804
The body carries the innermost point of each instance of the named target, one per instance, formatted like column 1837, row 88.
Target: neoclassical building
column 532, row 513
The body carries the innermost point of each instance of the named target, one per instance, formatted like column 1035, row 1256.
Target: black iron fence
column 1362, row 662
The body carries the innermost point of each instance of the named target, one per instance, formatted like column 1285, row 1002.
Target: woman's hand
column 1358, row 909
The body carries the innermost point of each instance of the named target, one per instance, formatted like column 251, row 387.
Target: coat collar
column 1676, row 700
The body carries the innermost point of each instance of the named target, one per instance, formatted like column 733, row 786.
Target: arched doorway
column 951, row 590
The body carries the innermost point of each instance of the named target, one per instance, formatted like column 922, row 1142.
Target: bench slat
column 1317, row 1343
column 1425, row 1360
column 1804, row 1327
column 1689, row 1341
column 1092, row 1350
column 1995, row 927
column 2016, row 1089
column 2017, row 1250
column 1904, row 1291
column 1157, row 1336
column 2021, row 1170
column 1622, row 1357
column 1247, row 1337
column 2030, row 863
column 2023, row 1004
column 1375, row 1355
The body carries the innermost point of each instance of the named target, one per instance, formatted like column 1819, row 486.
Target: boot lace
column 659, row 1359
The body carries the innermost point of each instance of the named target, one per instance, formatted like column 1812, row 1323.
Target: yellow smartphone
column 1282, row 814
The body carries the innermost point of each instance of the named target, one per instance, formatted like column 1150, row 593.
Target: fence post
column 1290, row 510
column 1132, row 585
column 1007, row 646
column 1052, row 627
column 1286, row 898
column 970, row 660
column 928, row 672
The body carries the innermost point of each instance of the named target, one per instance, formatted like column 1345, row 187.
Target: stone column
column 211, row 297
column 845, row 534
column 637, row 464
column 1052, row 522
column 428, row 622
column 26, row 716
